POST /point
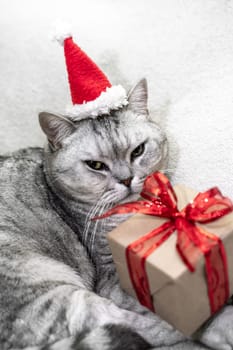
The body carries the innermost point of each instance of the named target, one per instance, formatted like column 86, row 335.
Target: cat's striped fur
column 58, row 284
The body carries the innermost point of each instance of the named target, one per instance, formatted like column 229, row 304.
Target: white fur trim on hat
column 113, row 98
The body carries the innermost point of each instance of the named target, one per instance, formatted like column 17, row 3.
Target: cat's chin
column 130, row 198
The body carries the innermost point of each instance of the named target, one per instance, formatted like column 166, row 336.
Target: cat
column 58, row 284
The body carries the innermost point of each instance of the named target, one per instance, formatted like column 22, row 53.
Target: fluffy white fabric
column 183, row 48
column 113, row 98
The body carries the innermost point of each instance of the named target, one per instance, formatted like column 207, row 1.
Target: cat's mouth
column 132, row 193
column 131, row 197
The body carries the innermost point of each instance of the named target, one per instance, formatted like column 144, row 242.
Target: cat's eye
column 138, row 151
column 96, row 165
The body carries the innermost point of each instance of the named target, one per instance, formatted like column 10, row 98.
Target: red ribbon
column 192, row 241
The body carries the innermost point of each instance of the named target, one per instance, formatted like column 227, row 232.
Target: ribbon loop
column 209, row 206
column 158, row 186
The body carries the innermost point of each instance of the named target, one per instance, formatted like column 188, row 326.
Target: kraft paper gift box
column 179, row 296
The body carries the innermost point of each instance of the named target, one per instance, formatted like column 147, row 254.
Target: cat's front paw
column 219, row 332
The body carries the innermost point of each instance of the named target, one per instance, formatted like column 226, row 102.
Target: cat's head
column 108, row 157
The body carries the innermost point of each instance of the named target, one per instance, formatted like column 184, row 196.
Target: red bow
column 192, row 241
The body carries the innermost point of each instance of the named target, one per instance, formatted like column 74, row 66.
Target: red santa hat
column 91, row 92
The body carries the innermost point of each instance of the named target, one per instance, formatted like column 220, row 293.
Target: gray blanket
column 216, row 334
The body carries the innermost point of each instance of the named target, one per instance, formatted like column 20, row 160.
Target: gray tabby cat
column 58, row 283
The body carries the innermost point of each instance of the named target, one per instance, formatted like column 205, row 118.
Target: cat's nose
column 126, row 182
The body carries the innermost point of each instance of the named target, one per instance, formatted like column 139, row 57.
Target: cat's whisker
column 107, row 197
column 92, row 238
column 88, row 222
column 95, row 209
column 110, row 197
column 167, row 170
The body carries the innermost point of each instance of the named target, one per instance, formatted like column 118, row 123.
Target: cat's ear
column 138, row 97
column 56, row 128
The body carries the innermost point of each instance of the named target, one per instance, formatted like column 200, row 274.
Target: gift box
column 184, row 282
